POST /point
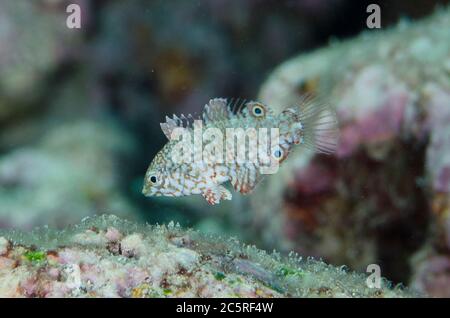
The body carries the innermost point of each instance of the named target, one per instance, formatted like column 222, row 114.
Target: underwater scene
column 224, row 148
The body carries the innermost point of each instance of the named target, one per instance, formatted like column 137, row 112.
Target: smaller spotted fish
column 310, row 124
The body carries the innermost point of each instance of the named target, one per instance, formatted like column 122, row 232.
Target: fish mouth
column 145, row 191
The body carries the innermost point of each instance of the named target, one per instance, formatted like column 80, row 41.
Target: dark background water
column 80, row 109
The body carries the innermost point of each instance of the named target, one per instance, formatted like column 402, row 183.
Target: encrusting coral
column 108, row 257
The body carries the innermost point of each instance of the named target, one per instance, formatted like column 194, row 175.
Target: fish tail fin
column 314, row 124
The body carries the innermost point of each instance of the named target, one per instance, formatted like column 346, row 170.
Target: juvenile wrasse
column 310, row 124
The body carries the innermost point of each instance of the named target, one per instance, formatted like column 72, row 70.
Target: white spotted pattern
column 309, row 124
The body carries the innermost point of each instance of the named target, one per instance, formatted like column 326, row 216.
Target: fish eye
column 258, row 111
column 278, row 153
column 153, row 179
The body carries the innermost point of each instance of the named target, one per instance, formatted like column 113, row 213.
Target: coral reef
column 80, row 112
column 129, row 63
column 109, row 257
column 34, row 43
column 384, row 197
column 73, row 168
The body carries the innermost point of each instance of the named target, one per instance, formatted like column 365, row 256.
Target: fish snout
column 146, row 190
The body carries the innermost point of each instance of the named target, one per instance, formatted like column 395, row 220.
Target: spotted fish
column 309, row 124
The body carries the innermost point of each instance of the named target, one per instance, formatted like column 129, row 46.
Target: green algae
column 35, row 256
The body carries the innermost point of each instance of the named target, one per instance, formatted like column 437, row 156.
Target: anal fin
column 215, row 194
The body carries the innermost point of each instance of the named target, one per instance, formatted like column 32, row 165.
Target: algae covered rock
column 108, row 257
column 35, row 41
column 72, row 172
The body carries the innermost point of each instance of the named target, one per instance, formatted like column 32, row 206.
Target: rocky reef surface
column 34, row 45
column 108, row 257
column 72, row 172
column 384, row 197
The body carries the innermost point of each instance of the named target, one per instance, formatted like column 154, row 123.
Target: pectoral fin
column 215, row 194
column 246, row 178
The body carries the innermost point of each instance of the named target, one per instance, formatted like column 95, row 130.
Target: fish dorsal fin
column 220, row 109
column 216, row 110
column 176, row 122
